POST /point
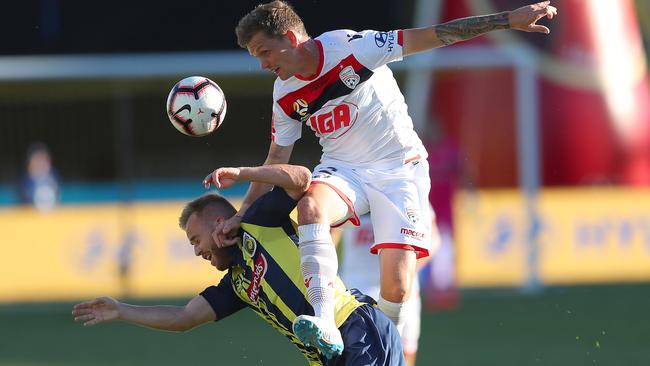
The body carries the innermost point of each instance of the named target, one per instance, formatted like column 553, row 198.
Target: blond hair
column 216, row 204
column 274, row 19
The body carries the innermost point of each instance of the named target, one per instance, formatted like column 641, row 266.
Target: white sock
column 394, row 311
column 319, row 264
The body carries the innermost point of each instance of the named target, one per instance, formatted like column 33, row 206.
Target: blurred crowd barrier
column 582, row 235
column 82, row 251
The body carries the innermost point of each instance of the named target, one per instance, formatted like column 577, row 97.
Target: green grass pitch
column 594, row 325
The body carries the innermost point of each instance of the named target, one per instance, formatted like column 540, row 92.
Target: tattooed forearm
column 466, row 28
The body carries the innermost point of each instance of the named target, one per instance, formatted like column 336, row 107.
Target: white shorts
column 398, row 199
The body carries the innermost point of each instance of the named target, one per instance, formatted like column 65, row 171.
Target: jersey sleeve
column 284, row 131
column 222, row 298
column 271, row 209
column 376, row 48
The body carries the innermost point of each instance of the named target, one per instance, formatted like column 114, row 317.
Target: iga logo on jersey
column 301, row 107
column 349, row 77
column 334, row 120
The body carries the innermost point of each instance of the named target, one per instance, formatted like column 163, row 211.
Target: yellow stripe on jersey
column 277, row 301
column 285, row 253
column 283, row 250
column 260, row 308
column 344, row 303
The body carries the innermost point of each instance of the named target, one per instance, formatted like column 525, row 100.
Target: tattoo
column 470, row 27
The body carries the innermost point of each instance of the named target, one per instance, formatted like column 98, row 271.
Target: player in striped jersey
column 263, row 274
column 338, row 84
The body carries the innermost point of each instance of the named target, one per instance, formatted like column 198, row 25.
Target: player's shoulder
column 341, row 43
column 346, row 36
column 339, row 37
column 272, row 209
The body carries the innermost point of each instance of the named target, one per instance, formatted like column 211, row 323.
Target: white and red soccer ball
column 196, row 106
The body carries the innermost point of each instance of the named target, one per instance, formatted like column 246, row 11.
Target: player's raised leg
column 320, row 207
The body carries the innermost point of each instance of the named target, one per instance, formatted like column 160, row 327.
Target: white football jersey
column 353, row 103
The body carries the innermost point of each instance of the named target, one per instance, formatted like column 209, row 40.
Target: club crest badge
column 350, row 78
column 413, row 215
column 249, row 244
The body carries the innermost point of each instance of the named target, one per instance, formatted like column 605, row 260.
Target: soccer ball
column 196, row 106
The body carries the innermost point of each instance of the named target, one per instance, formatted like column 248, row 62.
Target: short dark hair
column 274, row 19
column 214, row 201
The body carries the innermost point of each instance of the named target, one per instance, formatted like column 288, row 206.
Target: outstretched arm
column 277, row 155
column 524, row 19
column 225, row 177
column 171, row 318
column 294, row 179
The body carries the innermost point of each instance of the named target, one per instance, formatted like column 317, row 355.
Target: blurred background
column 540, row 165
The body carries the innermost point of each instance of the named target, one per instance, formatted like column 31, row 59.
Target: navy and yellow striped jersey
column 265, row 274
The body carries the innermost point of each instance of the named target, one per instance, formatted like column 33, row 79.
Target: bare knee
column 321, row 205
column 309, row 211
column 397, row 271
column 396, row 291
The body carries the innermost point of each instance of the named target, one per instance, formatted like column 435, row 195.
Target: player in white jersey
column 359, row 269
column 340, row 86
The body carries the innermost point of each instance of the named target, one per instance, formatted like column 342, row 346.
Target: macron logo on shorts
column 412, row 233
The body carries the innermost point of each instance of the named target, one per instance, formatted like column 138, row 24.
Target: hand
column 222, row 178
column 225, row 233
column 100, row 310
column 526, row 17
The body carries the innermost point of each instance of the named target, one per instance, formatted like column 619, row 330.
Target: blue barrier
column 152, row 190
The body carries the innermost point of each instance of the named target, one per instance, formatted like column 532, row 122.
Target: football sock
column 319, row 264
column 394, row 311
